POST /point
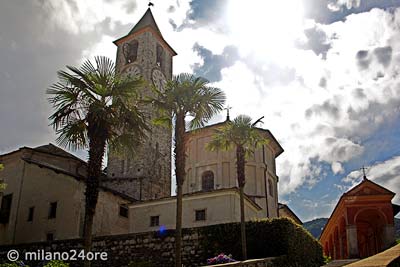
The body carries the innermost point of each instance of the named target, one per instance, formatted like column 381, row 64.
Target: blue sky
column 323, row 73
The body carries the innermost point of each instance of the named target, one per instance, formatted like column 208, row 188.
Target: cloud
column 77, row 16
column 213, row 64
column 327, row 12
column 363, row 59
column 41, row 37
column 317, row 41
column 358, row 93
column 384, row 55
column 204, row 13
column 337, row 5
column 327, row 108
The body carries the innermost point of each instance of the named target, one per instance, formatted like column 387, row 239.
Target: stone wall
column 154, row 247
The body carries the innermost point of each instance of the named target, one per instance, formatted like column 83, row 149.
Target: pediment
column 368, row 188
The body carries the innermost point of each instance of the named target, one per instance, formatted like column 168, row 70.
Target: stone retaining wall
column 154, row 247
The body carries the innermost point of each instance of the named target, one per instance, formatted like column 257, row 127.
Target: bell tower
column 147, row 173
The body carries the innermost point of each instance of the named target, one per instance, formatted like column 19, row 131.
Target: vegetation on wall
column 2, row 184
column 266, row 238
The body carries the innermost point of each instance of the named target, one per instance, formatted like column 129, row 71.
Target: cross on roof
column 364, row 169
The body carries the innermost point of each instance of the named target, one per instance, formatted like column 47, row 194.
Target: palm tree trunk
column 243, row 225
column 96, row 153
column 240, row 166
column 178, row 233
column 179, row 152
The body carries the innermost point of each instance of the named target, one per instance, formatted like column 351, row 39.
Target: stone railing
column 267, row 262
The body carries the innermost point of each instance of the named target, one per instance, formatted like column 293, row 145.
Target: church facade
column 210, row 190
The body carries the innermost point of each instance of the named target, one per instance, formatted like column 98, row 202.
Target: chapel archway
column 370, row 229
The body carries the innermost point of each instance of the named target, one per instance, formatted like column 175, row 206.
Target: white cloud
column 336, row 5
column 104, row 48
column 337, row 167
column 82, row 16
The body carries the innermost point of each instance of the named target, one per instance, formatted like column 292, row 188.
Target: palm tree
column 185, row 95
column 242, row 135
column 91, row 111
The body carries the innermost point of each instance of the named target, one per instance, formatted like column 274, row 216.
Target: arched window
column 270, row 188
column 129, row 50
column 207, row 181
column 160, row 56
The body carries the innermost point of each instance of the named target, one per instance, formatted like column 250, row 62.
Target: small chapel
column 362, row 223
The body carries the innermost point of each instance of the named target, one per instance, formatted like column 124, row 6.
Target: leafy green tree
column 241, row 135
column 185, row 95
column 92, row 110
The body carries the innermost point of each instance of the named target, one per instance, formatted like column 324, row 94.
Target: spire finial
column 364, row 169
column 227, row 113
column 150, row 4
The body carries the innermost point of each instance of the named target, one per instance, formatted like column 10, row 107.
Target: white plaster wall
column 220, row 208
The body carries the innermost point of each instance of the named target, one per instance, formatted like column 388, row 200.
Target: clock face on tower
column 132, row 71
column 158, row 79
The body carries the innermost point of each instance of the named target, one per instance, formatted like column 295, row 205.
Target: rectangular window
column 123, row 211
column 154, row 220
column 49, row 237
column 53, row 210
column 200, row 215
column 30, row 214
column 5, row 209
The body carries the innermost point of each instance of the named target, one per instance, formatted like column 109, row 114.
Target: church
column 210, row 190
column 44, row 197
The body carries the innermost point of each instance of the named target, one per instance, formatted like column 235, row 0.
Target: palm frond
column 239, row 132
column 73, row 135
column 94, row 95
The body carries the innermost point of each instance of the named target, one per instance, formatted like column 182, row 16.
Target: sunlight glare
column 264, row 27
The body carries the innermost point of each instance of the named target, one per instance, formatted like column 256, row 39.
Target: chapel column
column 352, row 241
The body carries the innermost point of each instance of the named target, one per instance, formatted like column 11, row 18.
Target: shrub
column 14, row 264
column 265, row 238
